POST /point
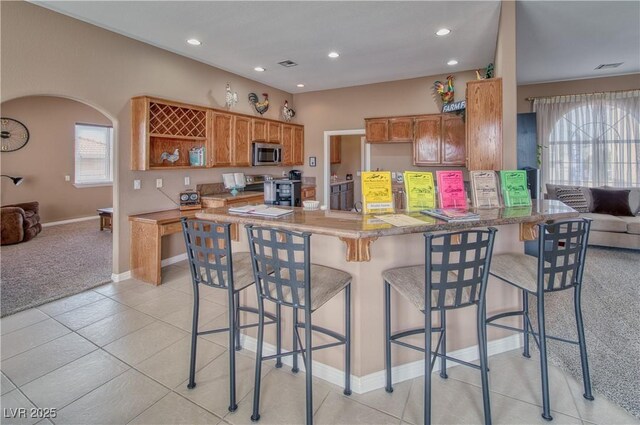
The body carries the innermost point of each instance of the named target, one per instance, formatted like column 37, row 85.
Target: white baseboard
column 73, row 220
column 173, row 260
column 376, row 380
column 118, row 277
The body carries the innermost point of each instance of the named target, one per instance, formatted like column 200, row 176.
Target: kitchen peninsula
column 365, row 261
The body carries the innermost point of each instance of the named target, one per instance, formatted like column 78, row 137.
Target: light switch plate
column 67, row 178
column 187, row 180
column 136, row 184
column 158, row 183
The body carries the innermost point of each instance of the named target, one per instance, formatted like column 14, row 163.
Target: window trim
column 109, row 161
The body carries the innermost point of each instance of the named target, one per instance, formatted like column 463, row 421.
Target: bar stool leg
column 443, row 347
column 525, row 323
column 236, row 299
column 307, row 364
column 278, row 335
column 427, row 364
column 544, row 372
column 233, row 337
column 387, row 335
column 583, row 346
column 255, row 416
column 484, row 366
column 347, row 337
column 194, row 338
column 295, row 369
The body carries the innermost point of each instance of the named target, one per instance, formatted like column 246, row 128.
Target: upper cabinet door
column 377, row 130
column 401, row 129
column 298, row 145
column 258, row 130
column 287, row 145
column 453, row 135
column 426, row 147
column 484, row 124
column 273, row 132
column 222, row 139
column 335, row 147
column 242, row 141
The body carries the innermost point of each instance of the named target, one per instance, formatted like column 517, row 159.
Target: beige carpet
column 62, row 260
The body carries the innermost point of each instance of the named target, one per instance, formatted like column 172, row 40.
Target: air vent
column 609, row 65
column 288, row 63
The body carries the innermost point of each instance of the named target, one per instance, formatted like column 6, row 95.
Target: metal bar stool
column 297, row 283
column 455, row 280
column 562, row 247
column 213, row 264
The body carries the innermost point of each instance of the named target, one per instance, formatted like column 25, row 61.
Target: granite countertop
column 227, row 195
column 357, row 226
column 333, row 183
column 308, row 186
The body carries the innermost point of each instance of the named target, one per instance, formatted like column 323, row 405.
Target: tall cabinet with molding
column 484, row 125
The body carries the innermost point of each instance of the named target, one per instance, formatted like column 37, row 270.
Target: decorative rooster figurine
column 261, row 107
column 169, row 157
column 230, row 98
column 287, row 113
column 446, row 92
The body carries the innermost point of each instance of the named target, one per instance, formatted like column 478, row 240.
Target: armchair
column 19, row 223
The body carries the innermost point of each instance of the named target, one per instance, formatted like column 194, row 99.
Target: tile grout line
column 406, row 403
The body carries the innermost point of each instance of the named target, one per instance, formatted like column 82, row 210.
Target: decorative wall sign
column 261, row 107
column 455, row 106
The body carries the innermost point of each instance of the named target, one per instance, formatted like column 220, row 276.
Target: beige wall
column 623, row 82
column 57, row 56
column 49, row 156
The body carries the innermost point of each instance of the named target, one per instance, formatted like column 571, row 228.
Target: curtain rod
column 531, row 99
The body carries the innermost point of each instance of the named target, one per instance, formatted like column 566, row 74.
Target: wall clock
column 13, row 135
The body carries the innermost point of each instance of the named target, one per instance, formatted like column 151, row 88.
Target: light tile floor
column 118, row 354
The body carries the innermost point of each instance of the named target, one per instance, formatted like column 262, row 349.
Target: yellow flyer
column 377, row 196
column 420, row 189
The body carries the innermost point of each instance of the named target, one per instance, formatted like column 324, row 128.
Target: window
column 592, row 140
column 93, row 153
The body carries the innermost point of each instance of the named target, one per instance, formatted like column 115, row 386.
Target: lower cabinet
column 341, row 197
column 308, row 193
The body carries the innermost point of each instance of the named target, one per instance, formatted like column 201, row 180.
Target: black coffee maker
column 295, row 175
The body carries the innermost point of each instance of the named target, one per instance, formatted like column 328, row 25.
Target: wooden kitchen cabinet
column 484, row 125
column 452, row 151
column 258, row 130
column 221, row 153
column 401, row 129
column 273, row 132
column 242, row 141
column 377, row 130
column 309, row 193
column 298, row 145
column 287, row 145
column 335, row 149
column 427, row 143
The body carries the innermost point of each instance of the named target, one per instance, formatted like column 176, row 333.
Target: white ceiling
column 566, row 40
column 377, row 41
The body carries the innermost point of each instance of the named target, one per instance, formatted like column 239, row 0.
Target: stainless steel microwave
column 267, row 154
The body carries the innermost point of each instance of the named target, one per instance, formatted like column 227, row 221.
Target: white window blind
column 93, row 153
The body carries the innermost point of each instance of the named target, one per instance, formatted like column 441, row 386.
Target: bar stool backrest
column 281, row 265
column 457, row 277
column 561, row 253
column 209, row 252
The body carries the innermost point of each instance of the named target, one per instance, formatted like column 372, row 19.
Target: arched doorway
column 68, row 167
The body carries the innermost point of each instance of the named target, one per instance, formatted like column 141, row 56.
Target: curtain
column 591, row 139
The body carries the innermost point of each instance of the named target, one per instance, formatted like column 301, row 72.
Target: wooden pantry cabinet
column 484, row 125
column 160, row 125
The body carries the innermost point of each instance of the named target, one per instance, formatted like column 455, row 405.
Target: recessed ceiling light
column 259, row 69
column 334, row 55
column 443, row 31
column 452, row 62
column 300, row 85
column 194, row 42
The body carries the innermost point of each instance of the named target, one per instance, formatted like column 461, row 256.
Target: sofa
column 19, row 223
column 616, row 231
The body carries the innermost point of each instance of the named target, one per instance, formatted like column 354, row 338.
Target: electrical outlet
column 67, row 178
column 285, row 174
column 358, row 173
column 136, row 184
column 158, row 183
column 187, row 181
